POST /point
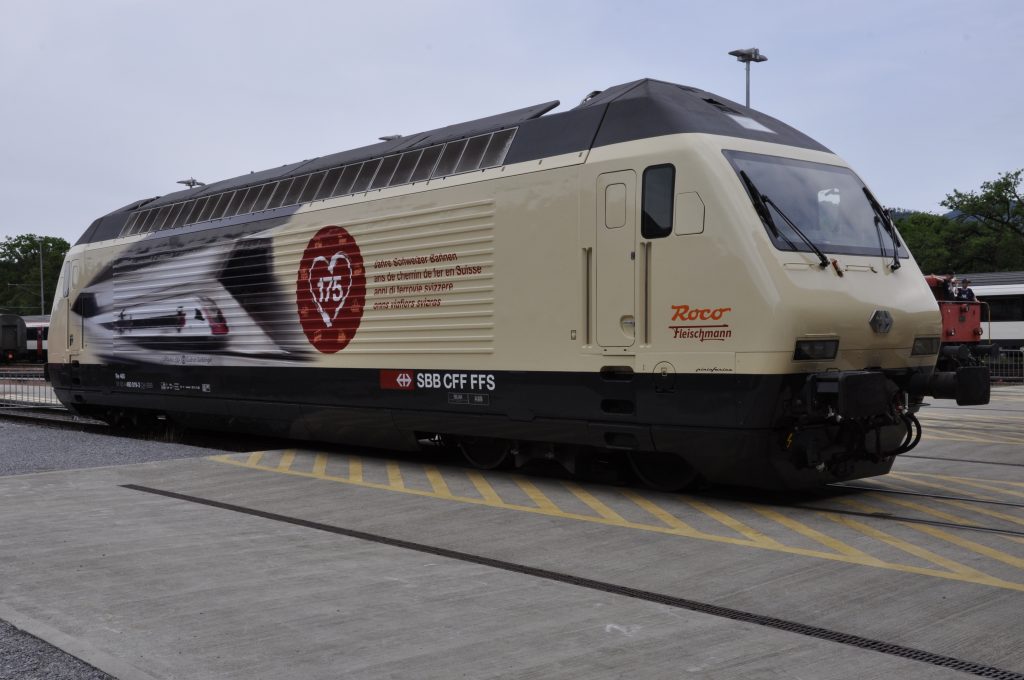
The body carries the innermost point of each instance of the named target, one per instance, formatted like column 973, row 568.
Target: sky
column 106, row 102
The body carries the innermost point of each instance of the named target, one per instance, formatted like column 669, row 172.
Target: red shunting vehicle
column 962, row 318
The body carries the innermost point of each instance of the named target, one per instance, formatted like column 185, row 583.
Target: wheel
column 487, row 454
column 662, row 471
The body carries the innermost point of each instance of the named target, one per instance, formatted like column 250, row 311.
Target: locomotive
column 658, row 275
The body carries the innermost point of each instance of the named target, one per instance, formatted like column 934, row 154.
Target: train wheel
column 662, row 471
column 487, row 454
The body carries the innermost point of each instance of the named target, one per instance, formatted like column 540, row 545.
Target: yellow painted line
column 665, row 516
column 254, row 458
column 320, row 465
column 978, row 548
column 960, row 477
column 733, row 523
column 535, row 494
column 941, row 487
column 480, row 483
column 437, row 482
column 981, row 510
column 595, row 504
column 395, row 475
column 355, row 469
column 286, row 460
column 950, row 437
column 961, row 417
column 484, row 488
column 944, row 516
column 815, row 535
column 1010, row 432
column 969, row 481
column 907, row 547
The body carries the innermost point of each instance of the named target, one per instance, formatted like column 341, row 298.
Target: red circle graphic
column 330, row 290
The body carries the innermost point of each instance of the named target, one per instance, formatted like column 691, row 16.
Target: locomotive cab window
column 803, row 203
column 658, row 193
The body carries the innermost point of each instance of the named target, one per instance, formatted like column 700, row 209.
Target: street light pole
column 42, row 300
column 746, row 56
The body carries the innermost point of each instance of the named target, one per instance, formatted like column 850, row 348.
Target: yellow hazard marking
column 929, row 555
column 535, row 494
column 320, row 465
column 395, row 475
column 983, row 511
column 941, row 487
column 594, row 504
column 355, row 470
column 921, row 507
column 665, row 516
column 286, row 460
column 666, row 523
column 437, row 482
column 909, row 548
column 254, row 458
column 948, row 436
column 484, row 488
column 992, row 553
column 733, row 523
column 965, row 417
column 813, row 534
column 968, row 481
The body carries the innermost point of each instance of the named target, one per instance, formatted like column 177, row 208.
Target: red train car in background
column 962, row 323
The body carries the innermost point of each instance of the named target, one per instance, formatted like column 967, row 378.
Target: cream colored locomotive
column 658, row 275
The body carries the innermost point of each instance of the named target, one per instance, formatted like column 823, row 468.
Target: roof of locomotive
column 637, row 110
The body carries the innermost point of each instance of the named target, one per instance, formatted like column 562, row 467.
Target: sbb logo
column 330, row 290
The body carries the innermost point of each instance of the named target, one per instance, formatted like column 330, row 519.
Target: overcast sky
column 104, row 102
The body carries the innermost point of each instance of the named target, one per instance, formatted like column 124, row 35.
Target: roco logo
column 330, row 290
column 686, row 313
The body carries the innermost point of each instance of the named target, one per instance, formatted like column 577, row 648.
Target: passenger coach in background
column 1003, row 292
column 657, row 275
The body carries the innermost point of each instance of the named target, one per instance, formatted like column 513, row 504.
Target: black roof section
column 637, row 110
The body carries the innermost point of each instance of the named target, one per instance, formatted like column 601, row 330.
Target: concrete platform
column 271, row 565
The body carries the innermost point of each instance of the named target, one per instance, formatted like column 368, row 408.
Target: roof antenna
column 590, row 96
column 191, row 182
column 389, row 138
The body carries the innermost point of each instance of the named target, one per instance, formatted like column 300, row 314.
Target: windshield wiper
column 881, row 216
column 762, row 209
column 761, row 203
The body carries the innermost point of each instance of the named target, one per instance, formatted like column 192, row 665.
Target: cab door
column 72, row 278
column 615, row 260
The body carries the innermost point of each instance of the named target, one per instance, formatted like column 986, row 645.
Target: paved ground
column 291, row 563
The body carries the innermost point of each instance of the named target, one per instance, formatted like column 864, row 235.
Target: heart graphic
column 330, row 287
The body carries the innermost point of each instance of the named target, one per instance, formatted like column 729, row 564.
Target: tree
column 944, row 246
column 984, row 233
column 19, row 272
column 997, row 208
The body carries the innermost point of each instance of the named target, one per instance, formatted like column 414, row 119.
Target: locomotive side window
column 658, row 192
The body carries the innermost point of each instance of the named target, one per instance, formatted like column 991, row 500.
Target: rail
column 23, row 387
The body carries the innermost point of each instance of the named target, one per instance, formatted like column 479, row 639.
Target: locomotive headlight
column 925, row 346
column 815, row 349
